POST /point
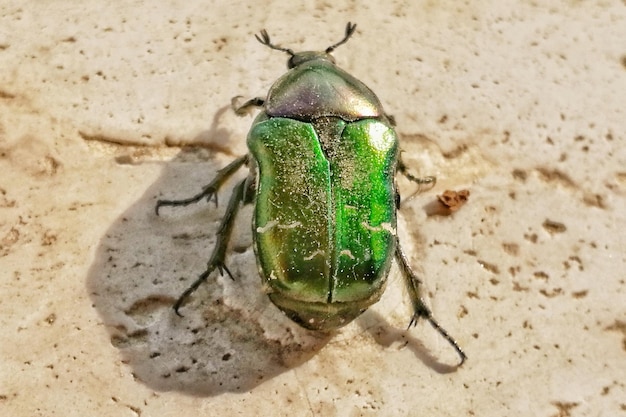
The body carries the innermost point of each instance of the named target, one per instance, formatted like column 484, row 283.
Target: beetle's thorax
column 302, row 57
column 317, row 88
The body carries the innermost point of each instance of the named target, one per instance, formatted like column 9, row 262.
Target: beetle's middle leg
column 210, row 190
column 223, row 236
column 242, row 192
column 420, row 310
column 430, row 181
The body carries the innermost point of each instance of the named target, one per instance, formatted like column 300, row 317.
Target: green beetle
column 323, row 158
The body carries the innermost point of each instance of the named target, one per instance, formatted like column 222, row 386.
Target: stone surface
column 521, row 103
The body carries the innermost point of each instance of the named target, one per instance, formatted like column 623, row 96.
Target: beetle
column 322, row 164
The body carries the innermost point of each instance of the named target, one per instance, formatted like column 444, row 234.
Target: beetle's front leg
column 219, row 251
column 243, row 109
column 420, row 310
column 210, row 190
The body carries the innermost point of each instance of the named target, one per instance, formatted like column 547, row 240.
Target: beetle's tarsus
column 244, row 109
column 191, row 290
column 449, row 338
column 425, row 313
column 223, row 268
column 209, row 191
column 430, row 180
column 420, row 310
column 217, row 264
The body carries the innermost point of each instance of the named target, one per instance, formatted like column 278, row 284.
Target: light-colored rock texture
column 522, row 103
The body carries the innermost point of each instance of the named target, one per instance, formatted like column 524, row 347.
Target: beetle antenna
column 350, row 28
column 265, row 40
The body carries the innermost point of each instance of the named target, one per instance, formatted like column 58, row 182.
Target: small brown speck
column 489, row 267
column 519, row 174
column 553, row 227
column 514, row 270
column 564, row 408
column 556, row 176
column 551, row 294
column 511, row 248
column 48, row 238
column 594, row 200
column 51, row 318
column 6, row 94
column 619, row 326
column 531, row 237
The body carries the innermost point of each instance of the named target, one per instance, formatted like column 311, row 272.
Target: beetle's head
column 298, row 58
column 302, row 57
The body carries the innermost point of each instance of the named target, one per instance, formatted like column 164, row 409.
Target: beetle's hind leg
column 420, row 310
column 210, row 190
column 223, row 236
column 245, row 108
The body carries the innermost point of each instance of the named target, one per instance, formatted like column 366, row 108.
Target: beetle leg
column 219, row 251
column 250, row 187
column 429, row 180
column 244, row 109
column 209, row 191
column 420, row 310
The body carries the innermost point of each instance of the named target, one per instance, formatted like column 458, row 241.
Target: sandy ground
column 107, row 106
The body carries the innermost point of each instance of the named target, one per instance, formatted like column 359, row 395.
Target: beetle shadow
column 385, row 334
column 231, row 337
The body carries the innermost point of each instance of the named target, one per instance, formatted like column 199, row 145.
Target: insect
column 322, row 164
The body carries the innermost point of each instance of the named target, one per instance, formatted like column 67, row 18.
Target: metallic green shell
column 318, row 88
column 325, row 214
